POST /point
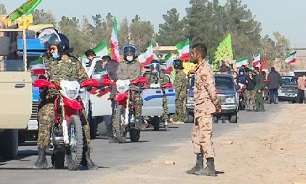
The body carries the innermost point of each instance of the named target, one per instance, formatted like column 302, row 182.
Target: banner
column 24, row 9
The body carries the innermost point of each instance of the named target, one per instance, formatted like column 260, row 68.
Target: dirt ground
column 273, row 151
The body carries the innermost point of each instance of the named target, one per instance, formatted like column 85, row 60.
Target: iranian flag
column 291, row 58
column 115, row 43
column 242, row 62
column 183, row 50
column 256, row 60
column 101, row 49
column 168, row 62
column 146, row 57
column 37, row 67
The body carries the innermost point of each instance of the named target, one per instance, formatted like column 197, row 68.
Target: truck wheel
column 9, row 144
column 233, row 118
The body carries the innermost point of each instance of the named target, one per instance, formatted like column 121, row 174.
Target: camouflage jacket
column 70, row 69
column 180, row 84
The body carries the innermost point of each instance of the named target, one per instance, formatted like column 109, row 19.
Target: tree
column 42, row 17
column 70, row 27
column 142, row 32
column 124, row 36
column 170, row 32
column 3, row 9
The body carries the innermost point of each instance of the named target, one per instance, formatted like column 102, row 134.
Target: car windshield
column 224, row 83
column 289, row 80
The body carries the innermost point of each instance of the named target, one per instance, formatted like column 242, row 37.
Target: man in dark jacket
column 274, row 82
column 250, row 91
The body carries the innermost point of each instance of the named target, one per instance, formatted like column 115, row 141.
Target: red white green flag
column 146, row 57
column 291, row 58
column 115, row 43
column 37, row 67
column 183, row 50
column 242, row 62
column 256, row 60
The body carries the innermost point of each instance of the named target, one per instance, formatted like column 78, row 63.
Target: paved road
column 111, row 157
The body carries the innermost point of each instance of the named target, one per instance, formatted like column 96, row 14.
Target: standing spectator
column 274, row 82
column 250, row 91
column 259, row 90
column 301, row 88
column 206, row 104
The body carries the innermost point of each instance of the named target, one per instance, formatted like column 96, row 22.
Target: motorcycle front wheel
column 74, row 151
column 120, row 132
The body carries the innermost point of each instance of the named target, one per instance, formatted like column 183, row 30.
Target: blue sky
column 275, row 15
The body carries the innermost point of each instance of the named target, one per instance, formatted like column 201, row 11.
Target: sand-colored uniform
column 206, row 101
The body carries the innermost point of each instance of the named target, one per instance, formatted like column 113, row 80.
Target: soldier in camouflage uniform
column 206, row 104
column 158, row 76
column 129, row 68
column 60, row 65
column 180, row 84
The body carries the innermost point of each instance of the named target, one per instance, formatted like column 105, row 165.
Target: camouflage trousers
column 46, row 118
column 201, row 136
column 250, row 99
column 138, row 109
column 165, row 115
column 180, row 111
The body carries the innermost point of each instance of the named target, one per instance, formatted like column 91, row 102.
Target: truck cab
column 15, row 93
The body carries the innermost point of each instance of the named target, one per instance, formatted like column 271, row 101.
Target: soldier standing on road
column 259, row 88
column 250, row 91
column 158, row 76
column 206, row 104
column 59, row 65
column 180, row 84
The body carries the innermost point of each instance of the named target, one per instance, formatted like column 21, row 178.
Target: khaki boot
column 198, row 166
column 209, row 170
column 41, row 162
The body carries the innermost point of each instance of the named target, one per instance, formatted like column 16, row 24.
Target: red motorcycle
column 66, row 132
column 124, row 115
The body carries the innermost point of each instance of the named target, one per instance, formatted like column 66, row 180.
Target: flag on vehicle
column 242, row 62
column 101, row 49
column 224, row 50
column 25, row 9
column 37, row 67
column 168, row 60
column 146, row 57
column 256, row 60
column 291, row 58
column 183, row 50
column 115, row 43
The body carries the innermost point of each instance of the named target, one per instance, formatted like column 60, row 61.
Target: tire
column 233, row 118
column 120, row 132
column 75, row 150
column 58, row 158
column 134, row 135
column 92, row 124
column 156, row 121
column 9, row 144
column 188, row 117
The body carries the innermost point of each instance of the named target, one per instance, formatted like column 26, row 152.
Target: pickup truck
column 15, row 94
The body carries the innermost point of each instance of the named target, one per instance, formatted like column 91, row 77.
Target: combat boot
column 86, row 160
column 209, row 169
column 198, row 166
column 41, row 162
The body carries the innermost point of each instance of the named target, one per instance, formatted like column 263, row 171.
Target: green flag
column 24, row 9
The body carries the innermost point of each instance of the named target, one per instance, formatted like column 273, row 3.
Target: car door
column 15, row 96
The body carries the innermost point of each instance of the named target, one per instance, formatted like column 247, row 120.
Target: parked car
column 227, row 94
column 289, row 89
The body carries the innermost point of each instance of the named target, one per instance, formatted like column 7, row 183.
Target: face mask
column 129, row 58
column 55, row 55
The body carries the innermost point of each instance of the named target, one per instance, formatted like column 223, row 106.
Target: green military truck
column 15, row 92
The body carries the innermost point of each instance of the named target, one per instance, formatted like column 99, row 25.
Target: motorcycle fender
column 74, row 104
